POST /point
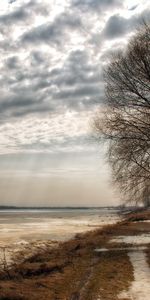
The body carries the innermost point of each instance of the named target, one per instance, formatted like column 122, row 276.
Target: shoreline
column 26, row 233
column 75, row 270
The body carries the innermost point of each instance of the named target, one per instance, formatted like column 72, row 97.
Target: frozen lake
column 51, row 224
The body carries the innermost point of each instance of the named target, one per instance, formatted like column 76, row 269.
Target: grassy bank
column 74, row 270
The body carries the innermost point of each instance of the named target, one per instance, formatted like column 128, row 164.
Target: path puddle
column 140, row 288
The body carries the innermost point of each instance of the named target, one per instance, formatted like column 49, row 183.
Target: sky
column 52, row 55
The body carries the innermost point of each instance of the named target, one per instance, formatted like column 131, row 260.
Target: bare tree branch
column 125, row 123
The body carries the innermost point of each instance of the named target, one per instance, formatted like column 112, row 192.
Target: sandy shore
column 109, row 263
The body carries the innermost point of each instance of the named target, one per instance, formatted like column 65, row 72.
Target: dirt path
column 140, row 288
column 74, row 270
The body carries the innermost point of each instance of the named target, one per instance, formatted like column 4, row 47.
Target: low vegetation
column 73, row 269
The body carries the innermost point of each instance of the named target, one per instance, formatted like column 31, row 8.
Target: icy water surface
column 53, row 224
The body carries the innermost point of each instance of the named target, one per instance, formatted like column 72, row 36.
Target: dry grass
column 139, row 215
column 73, row 270
column 148, row 254
column 113, row 274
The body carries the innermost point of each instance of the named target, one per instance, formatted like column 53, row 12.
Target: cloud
column 22, row 13
column 52, row 32
column 18, row 15
column 49, row 62
column 117, row 26
column 79, row 80
column 56, row 66
column 96, row 4
column 22, row 103
column 12, row 1
column 133, row 7
column 36, row 88
column 51, row 133
column 51, row 84
column 12, row 62
column 37, row 57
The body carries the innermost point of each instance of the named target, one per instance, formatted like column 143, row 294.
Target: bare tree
column 125, row 123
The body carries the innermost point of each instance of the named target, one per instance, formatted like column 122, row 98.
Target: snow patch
column 140, row 288
column 133, row 239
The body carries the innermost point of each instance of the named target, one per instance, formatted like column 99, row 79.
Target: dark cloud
column 37, row 57
column 19, row 15
column 77, row 70
column 79, row 81
column 14, row 101
column 37, row 88
column 53, row 32
column 32, row 109
column 96, row 4
column 118, row 26
column 23, row 13
column 79, row 92
column 22, row 103
column 12, row 1
column 12, row 62
column 31, row 81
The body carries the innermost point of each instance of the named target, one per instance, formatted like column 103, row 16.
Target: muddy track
column 83, row 285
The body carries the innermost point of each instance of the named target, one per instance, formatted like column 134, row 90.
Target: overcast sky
column 51, row 84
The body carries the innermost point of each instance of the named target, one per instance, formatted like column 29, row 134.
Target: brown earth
column 73, row 270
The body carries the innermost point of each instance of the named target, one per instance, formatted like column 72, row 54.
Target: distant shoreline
column 57, row 207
